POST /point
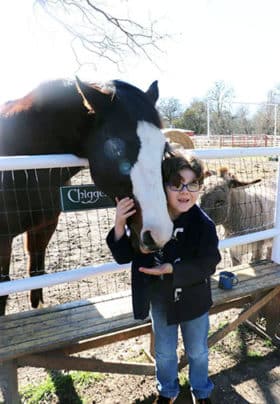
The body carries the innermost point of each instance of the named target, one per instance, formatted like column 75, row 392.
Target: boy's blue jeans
column 194, row 333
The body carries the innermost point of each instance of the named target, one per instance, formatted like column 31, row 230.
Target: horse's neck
column 31, row 135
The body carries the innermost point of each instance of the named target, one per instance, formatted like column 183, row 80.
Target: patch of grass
column 232, row 335
column 268, row 344
column 183, row 380
column 140, row 357
column 222, row 324
column 86, row 379
column 33, row 394
column 255, row 354
column 64, row 386
column 219, row 327
column 217, row 348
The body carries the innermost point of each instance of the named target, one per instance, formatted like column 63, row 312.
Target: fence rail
column 259, row 140
column 11, row 163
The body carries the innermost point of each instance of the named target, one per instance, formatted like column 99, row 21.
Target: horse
column 116, row 126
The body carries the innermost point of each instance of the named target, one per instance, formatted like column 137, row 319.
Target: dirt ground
column 244, row 367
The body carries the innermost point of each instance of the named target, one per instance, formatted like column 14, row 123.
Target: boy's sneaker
column 200, row 400
column 164, row 400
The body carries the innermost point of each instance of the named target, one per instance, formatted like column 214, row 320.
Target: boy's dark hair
column 175, row 163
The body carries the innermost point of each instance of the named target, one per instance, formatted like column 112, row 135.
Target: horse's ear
column 224, row 173
column 153, row 92
column 235, row 183
column 208, row 173
column 168, row 150
column 95, row 99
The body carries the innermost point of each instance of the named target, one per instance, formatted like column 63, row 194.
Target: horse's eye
column 219, row 203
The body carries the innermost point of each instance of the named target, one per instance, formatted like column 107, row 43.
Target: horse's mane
column 51, row 94
column 59, row 94
column 15, row 106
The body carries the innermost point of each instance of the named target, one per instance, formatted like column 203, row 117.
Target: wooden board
column 72, row 323
column 252, row 279
column 63, row 325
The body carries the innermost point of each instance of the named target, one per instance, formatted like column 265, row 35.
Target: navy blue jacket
column 193, row 252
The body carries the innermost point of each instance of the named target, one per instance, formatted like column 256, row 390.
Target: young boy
column 174, row 283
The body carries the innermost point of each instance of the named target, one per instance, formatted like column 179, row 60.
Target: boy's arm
column 121, row 249
column 189, row 272
column 117, row 240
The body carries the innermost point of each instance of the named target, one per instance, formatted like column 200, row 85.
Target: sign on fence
column 82, row 197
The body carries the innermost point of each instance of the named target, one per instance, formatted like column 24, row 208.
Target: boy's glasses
column 191, row 187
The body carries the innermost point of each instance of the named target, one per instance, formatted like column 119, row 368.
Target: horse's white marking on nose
column 147, row 183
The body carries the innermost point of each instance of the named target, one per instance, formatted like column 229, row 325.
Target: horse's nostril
column 148, row 241
column 147, row 238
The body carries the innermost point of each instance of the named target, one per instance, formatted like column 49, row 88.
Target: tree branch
column 97, row 31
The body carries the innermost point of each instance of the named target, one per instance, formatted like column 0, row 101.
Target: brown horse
column 115, row 126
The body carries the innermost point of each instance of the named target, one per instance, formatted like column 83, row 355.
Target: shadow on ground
column 259, row 378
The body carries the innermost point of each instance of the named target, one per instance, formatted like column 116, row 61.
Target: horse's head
column 125, row 149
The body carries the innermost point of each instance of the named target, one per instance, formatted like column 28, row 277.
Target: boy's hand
column 124, row 210
column 163, row 269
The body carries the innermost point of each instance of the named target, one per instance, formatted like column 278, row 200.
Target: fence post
column 208, row 120
column 276, row 240
column 9, row 382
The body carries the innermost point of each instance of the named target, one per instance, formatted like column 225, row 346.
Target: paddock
column 85, row 286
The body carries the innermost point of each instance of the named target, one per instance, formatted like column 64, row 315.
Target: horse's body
column 115, row 127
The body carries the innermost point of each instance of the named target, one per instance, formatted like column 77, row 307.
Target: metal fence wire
column 79, row 238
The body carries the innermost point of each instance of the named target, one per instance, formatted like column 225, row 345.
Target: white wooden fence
column 50, row 161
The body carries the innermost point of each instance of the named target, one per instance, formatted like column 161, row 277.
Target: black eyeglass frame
column 187, row 186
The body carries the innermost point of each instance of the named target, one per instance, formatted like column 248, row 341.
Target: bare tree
column 242, row 123
column 263, row 120
column 220, row 97
column 170, row 109
column 94, row 28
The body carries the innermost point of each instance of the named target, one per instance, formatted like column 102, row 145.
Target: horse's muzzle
column 148, row 244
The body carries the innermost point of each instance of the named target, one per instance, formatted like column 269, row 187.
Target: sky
column 237, row 41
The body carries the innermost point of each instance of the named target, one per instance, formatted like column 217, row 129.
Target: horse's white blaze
column 147, row 183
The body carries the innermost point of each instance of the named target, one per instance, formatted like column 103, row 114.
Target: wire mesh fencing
column 240, row 195
column 78, row 240
column 79, row 237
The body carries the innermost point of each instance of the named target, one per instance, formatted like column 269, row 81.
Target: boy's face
column 183, row 200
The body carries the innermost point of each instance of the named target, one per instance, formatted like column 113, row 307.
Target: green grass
column 254, row 354
column 221, row 325
column 183, row 379
column 65, row 386
column 35, row 393
column 86, row 379
column 268, row 344
column 139, row 357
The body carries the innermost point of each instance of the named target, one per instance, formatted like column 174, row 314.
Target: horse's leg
column 5, row 257
column 36, row 244
column 235, row 254
column 258, row 251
